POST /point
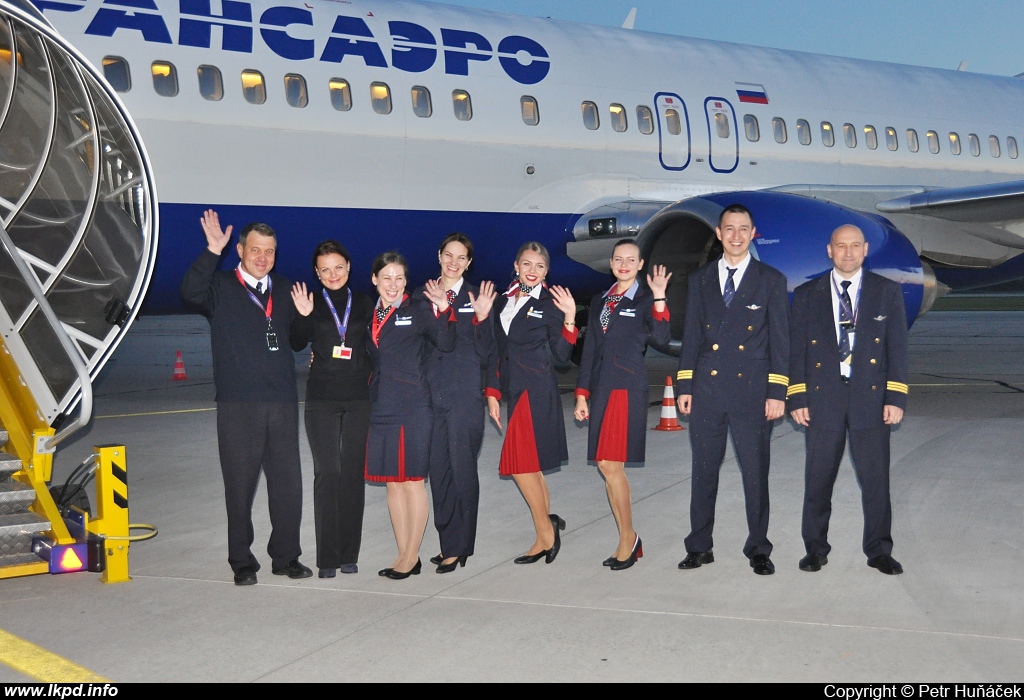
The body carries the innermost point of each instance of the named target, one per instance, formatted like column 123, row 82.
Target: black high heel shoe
column 531, row 558
column 436, row 559
column 399, row 575
column 637, row 553
column 609, row 561
column 443, row 568
column 556, row 525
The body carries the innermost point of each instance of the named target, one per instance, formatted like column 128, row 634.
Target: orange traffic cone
column 179, row 369
column 669, row 420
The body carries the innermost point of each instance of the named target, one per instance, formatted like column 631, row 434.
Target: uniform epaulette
column 778, row 379
column 684, row 374
column 897, row 386
column 796, row 389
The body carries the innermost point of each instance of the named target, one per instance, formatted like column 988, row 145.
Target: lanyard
column 342, row 326
column 852, row 313
column 269, row 308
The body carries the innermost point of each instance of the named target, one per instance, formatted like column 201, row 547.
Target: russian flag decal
column 752, row 93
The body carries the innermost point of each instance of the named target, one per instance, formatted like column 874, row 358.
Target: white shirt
column 723, row 273
column 250, row 280
column 457, row 287
column 854, row 291
column 510, row 310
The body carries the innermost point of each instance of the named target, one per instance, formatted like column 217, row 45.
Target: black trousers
column 869, row 451
column 337, row 437
column 454, row 479
column 254, row 437
column 751, row 435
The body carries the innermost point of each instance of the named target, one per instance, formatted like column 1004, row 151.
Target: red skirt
column 519, row 452
column 613, row 441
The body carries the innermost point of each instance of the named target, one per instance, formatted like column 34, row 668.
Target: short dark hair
column 330, row 247
column 456, row 237
column 256, row 227
column 625, row 241
column 385, row 259
column 735, row 209
column 537, row 248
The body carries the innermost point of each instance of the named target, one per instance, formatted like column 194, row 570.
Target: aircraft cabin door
column 723, row 137
column 673, row 131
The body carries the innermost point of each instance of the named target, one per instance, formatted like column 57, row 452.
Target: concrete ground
column 955, row 615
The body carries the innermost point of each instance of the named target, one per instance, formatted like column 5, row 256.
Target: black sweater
column 331, row 378
column 244, row 368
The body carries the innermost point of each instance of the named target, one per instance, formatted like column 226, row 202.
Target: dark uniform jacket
column 879, row 366
column 738, row 356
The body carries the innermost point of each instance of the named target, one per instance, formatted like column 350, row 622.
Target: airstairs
column 78, row 225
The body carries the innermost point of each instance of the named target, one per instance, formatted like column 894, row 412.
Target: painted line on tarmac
column 36, row 662
column 156, row 413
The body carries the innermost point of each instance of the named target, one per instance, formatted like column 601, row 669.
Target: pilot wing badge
column 880, row 318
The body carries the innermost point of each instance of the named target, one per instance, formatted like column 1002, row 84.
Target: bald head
column 847, row 249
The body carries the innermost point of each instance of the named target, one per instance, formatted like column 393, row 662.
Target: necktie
column 845, row 324
column 382, row 312
column 730, row 287
column 450, row 294
column 609, row 306
column 259, row 288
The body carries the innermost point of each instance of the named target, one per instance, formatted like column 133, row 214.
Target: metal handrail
column 85, row 408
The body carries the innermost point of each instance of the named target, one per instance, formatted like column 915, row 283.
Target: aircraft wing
column 1002, row 202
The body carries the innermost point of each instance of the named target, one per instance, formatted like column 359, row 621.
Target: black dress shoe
column 443, row 568
column 762, row 565
column 609, row 561
column 349, row 568
column 294, row 569
column 399, row 575
column 694, row 560
column 813, row 562
column 384, row 572
column 555, row 519
column 637, row 553
column 886, row 564
column 246, row 576
column 437, row 559
column 326, row 573
column 531, row 558
column 556, row 525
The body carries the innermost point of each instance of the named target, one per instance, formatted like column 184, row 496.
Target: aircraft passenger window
column 828, row 135
column 871, row 137
column 591, row 119
column 912, row 143
column 211, row 83
column 295, row 90
column 253, row 87
column 421, row 105
column 672, row 123
column 933, row 141
column 722, row 125
column 463, row 105
column 530, row 110
column 974, row 144
column 954, row 143
column 1011, row 147
column 803, row 132
column 341, row 94
column 380, row 98
column 644, row 119
column 751, row 128
column 618, row 117
column 779, row 129
column 165, row 78
column 117, row 73
column 850, row 135
column 890, row 139
column 993, row 146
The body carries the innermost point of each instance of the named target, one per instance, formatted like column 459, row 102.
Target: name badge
column 628, row 313
column 272, row 341
column 342, row 353
column 406, row 321
column 534, row 314
column 467, row 309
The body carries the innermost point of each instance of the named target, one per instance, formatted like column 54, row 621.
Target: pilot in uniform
column 733, row 374
column 849, row 366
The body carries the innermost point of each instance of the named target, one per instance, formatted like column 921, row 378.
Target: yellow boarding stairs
column 78, row 223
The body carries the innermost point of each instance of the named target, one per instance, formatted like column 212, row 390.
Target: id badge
column 342, row 353
column 272, row 341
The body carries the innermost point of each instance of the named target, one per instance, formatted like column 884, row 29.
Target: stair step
column 19, row 559
column 9, row 464
column 4, row 436
column 18, row 530
column 15, row 497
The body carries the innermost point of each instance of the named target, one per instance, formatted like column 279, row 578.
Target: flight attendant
column 459, row 405
column 614, row 378
column 535, row 323
column 398, row 445
column 337, row 411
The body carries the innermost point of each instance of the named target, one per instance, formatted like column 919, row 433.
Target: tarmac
column 956, row 615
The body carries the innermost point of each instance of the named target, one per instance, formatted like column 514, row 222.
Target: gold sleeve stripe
column 897, row 386
column 684, row 374
column 796, row 389
column 778, row 379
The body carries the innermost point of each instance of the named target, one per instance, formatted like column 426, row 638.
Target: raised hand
column 565, row 303
column 658, row 280
column 216, row 239
column 303, row 301
column 433, row 291
column 484, row 301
